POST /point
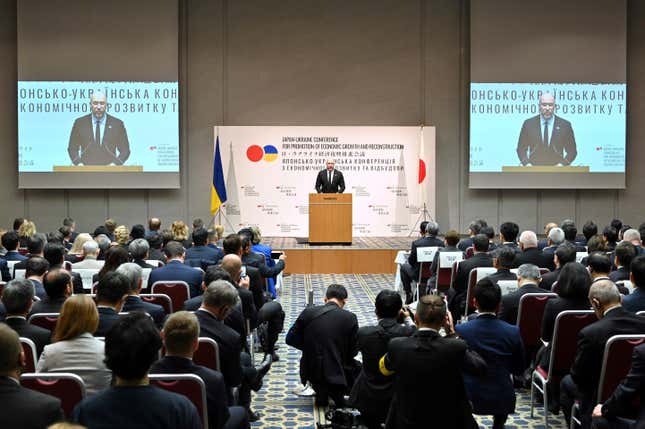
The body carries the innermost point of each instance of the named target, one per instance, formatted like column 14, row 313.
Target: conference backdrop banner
column 270, row 172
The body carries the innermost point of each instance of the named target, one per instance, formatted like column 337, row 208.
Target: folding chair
column 628, row 284
column 155, row 262
column 159, row 299
column 178, row 291
column 10, row 265
column 563, row 350
column 29, row 348
column 67, row 387
column 207, row 354
column 86, row 276
column 529, row 320
column 45, row 320
column 580, row 256
column 19, row 274
column 189, row 385
column 507, row 286
column 475, row 275
column 445, row 269
column 425, row 256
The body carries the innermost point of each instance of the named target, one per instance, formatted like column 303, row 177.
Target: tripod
column 424, row 215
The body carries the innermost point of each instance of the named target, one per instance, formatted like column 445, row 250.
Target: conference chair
column 507, row 286
column 86, row 276
column 445, row 269
column 425, row 256
column 178, row 291
column 67, row 387
column 616, row 363
column 10, row 265
column 207, row 354
column 155, row 262
column 563, row 351
column 628, row 285
column 45, row 320
column 159, row 299
column 529, row 320
column 19, row 274
column 29, row 349
column 475, row 275
column 189, row 385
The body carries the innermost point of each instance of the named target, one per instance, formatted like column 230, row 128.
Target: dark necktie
column 97, row 134
column 329, row 177
column 546, row 133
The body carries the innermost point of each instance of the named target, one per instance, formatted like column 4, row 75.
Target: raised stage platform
column 366, row 255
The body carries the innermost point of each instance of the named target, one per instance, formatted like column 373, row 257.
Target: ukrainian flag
column 218, row 187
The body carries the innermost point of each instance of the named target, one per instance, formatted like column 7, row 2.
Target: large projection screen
column 548, row 95
column 98, row 95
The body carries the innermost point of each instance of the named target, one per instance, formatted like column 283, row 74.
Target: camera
column 342, row 418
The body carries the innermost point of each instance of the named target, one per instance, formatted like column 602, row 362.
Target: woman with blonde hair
column 77, row 246
column 74, row 348
column 122, row 235
column 25, row 232
column 180, row 233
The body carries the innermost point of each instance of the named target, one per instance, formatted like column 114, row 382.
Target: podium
column 330, row 218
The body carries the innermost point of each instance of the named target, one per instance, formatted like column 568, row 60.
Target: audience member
column 571, row 234
column 74, row 349
column 451, row 239
column 554, row 239
column 90, row 256
column 35, row 247
column 66, row 234
column 180, row 233
column 122, row 236
column 507, row 236
column 635, row 301
column 481, row 258
column 154, row 225
column 26, row 230
column 139, row 252
column 633, row 236
column 155, row 253
column 610, row 234
column 104, row 244
column 489, row 232
column 261, row 248
column 175, row 270
column 201, row 255
column 133, row 301
column 111, row 292
column 503, row 262
column 10, row 241
column 131, row 347
column 35, row 272
column 114, row 257
column 58, row 286
column 71, row 224
column 589, row 229
column 17, row 223
column 410, row 269
column 232, row 264
column 473, row 229
column 542, row 244
column 55, row 255
column 233, row 246
column 564, row 254
column 257, row 260
column 138, row 231
column 528, row 280
column 623, row 255
column 77, row 249
column 531, row 254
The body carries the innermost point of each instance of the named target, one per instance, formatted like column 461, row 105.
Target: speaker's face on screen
column 98, row 102
column 547, row 105
column 330, row 164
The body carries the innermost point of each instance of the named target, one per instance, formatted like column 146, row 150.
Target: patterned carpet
column 281, row 408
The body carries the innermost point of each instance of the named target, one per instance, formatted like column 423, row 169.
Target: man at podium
column 330, row 180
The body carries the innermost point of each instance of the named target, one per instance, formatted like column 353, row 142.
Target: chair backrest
column 616, row 362
column 447, row 259
column 159, row 299
column 529, row 317
column 67, row 387
column 19, row 274
column 178, row 291
column 640, row 313
column 207, row 354
column 507, row 286
column 154, row 262
column 475, row 275
column 444, row 272
column 29, row 348
column 10, row 265
column 45, row 320
column 189, row 385
column 86, row 276
column 580, row 256
column 23, row 251
column 628, row 284
column 565, row 340
column 145, row 275
column 426, row 254
column 469, row 252
column 483, row 272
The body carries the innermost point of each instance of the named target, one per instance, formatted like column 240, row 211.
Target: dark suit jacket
column 234, row 320
column 511, row 302
column 135, row 303
column 175, row 270
column 337, row 184
column 248, row 306
column 585, row 370
column 204, row 253
column 40, row 336
column 216, row 398
column 228, row 342
column 461, row 278
column 156, row 254
column 632, row 386
column 500, row 345
column 502, row 274
column 107, row 318
column 114, row 147
column 427, row 356
column 4, row 270
column 561, row 148
column 48, row 305
column 635, row 301
column 421, row 242
column 620, row 274
column 38, row 288
column 465, row 244
column 14, row 255
column 26, row 408
column 556, row 306
column 549, row 278
column 494, row 252
column 256, row 286
column 329, row 344
column 535, row 257
column 258, row 261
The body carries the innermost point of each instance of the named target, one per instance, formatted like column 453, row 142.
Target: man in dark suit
column 58, row 286
column 180, row 337
column 326, row 335
column 35, row 247
column 564, row 254
column 542, row 244
column 257, row 260
column 200, row 253
column 410, row 270
column 528, row 279
column 330, row 180
column 176, row 270
column 555, row 237
column 133, row 301
column 98, row 138
column 55, row 255
column 608, row 414
column 582, row 382
column 36, row 269
column 623, row 254
column 10, row 242
column 503, row 263
column 635, row 301
column 480, row 258
column 451, row 239
column 500, row 345
column 110, row 295
column 17, row 298
column 571, row 235
column 22, row 408
column 139, row 249
column 426, row 355
column 372, row 391
column 508, row 236
column 531, row 254
column 546, row 139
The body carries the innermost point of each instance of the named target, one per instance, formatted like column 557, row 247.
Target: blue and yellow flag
column 218, row 187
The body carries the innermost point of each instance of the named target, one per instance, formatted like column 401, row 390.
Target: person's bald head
column 98, row 103
column 232, row 264
column 547, row 105
column 528, row 240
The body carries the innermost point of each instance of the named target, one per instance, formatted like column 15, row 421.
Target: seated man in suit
column 608, row 414
column 155, row 253
column 200, row 255
column 35, row 247
column 481, row 258
column 564, row 254
column 139, row 252
column 473, row 229
column 326, row 335
column 10, row 242
column 36, row 269
column 633, row 236
column 610, row 235
column 17, row 298
column 623, row 255
column 154, row 227
column 22, row 408
column 55, row 255
column 635, row 301
column 571, row 235
column 451, row 239
column 110, row 294
column 582, row 382
column 90, row 257
column 176, row 270
column 131, row 347
column 507, row 236
column 555, row 238
column 258, row 260
column 503, row 262
column 410, row 270
column 500, row 345
column 180, row 336
column 531, row 254
column 426, row 355
column 528, row 280
column 58, row 286
column 372, row 391
column 542, row 244
column 133, row 301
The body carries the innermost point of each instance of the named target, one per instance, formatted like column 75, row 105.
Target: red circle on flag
column 422, row 171
column 254, row 153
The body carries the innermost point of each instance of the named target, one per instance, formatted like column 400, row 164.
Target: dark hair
column 68, row 221
column 610, row 233
column 114, row 257
column 246, row 241
column 617, row 224
column 101, row 230
column 625, row 253
column 132, row 346
column 452, row 237
column 388, row 303
column 505, row 257
column 10, row 240
column 36, row 266
column 65, row 231
column 54, row 253
column 574, row 282
column 55, row 237
column 232, row 244
column 336, row 291
column 173, row 249
column 570, row 231
column 155, row 241
column 17, row 296
column 55, row 282
column 36, row 243
column 200, row 237
column 480, row 243
column 111, row 288
column 167, row 236
column 431, row 309
column 488, row 231
column 198, row 223
column 487, row 294
column 596, row 244
column 422, row 226
column 566, row 253
column 475, row 227
column 509, row 231
column 137, row 231
column 638, row 270
column 17, row 222
column 215, row 272
column 589, row 229
column 599, row 263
